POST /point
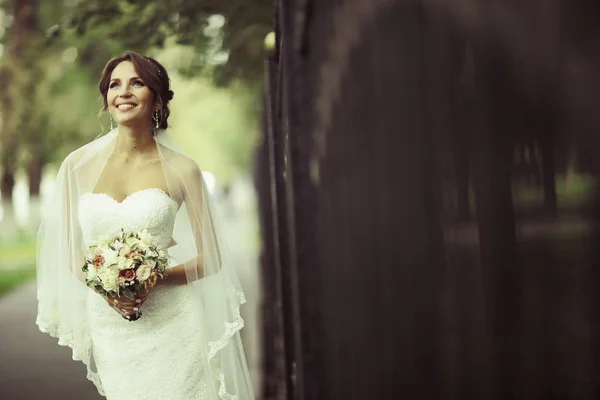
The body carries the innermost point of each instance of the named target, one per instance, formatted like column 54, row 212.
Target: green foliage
column 575, row 191
column 142, row 25
column 217, row 127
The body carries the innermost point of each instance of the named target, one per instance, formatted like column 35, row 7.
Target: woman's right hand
column 124, row 306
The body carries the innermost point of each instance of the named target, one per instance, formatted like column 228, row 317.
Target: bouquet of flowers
column 124, row 264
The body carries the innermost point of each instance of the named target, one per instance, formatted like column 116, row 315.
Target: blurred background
column 51, row 56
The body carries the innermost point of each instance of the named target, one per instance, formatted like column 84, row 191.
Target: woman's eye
column 138, row 83
column 113, row 85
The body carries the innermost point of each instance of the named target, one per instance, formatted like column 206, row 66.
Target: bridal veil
column 211, row 279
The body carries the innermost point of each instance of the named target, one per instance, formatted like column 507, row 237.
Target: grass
column 577, row 192
column 17, row 263
column 12, row 278
column 575, row 195
column 16, row 253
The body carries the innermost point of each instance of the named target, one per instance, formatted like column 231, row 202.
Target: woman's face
column 130, row 101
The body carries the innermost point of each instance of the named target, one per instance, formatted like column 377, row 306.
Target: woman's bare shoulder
column 182, row 163
column 79, row 153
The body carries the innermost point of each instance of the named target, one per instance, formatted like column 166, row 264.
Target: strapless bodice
column 152, row 209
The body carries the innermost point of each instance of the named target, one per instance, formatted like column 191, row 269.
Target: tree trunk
column 496, row 219
column 24, row 24
column 7, row 184
column 571, row 168
column 463, row 172
column 34, row 174
column 549, row 173
column 9, row 142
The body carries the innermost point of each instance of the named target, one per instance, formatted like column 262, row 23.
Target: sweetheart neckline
column 159, row 190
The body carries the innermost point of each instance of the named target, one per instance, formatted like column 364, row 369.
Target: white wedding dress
column 158, row 356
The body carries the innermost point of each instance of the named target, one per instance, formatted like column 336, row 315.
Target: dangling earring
column 156, row 119
column 112, row 126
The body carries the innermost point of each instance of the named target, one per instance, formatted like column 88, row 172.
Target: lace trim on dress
column 66, row 340
column 231, row 328
column 83, row 355
column 223, row 391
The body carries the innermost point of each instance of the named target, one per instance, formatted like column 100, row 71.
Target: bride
column 180, row 339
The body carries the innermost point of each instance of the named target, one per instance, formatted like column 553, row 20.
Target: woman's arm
column 196, row 200
column 178, row 276
column 175, row 276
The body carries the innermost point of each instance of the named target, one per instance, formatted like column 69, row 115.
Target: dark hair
column 151, row 72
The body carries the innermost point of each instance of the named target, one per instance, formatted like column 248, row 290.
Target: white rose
column 124, row 263
column 146, row 239
column 124, row 250
column 110, row 256
column 132, row 241
column 110, row 280
column 117, row 244
column 151, row 263
column 143, row 272
column 151, row 253
column 91, row 273
column 145, row 236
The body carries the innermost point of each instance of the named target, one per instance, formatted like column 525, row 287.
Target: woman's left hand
column 125, row 306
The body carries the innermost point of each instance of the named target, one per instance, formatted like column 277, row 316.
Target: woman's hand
column 127, row 307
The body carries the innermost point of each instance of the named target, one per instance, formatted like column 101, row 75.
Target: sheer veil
column 212, row 281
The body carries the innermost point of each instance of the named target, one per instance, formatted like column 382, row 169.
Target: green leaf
column 128, row 293
column 100, row 290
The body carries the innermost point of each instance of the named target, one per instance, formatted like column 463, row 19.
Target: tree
column 18, row 114
column 141, row 25
column 55, row 51
column 46, row 97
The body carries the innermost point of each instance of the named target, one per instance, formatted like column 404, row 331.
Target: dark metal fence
column 427, row 193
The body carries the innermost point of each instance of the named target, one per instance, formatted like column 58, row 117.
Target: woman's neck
column 133, row 141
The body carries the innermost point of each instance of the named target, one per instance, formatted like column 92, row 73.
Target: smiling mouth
column 126, row 107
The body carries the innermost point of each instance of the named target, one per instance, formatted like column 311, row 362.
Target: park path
column 32, row 365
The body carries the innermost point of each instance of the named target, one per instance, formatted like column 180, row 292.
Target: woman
column 186, row 343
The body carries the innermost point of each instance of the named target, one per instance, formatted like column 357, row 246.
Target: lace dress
column 157, row 356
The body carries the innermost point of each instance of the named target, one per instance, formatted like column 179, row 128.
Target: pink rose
column 127, row 274
column 135, row 255
column 98, row 261
column 152, row 279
